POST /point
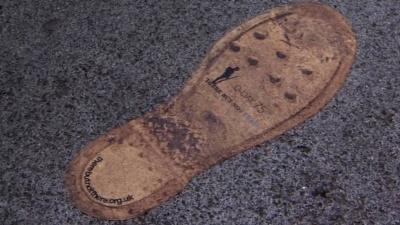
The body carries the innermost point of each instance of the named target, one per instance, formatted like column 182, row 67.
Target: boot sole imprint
column 262, row 78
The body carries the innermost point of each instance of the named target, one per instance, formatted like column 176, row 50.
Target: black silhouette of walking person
column 226, row 75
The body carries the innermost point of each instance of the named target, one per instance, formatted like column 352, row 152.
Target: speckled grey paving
column 71, row 70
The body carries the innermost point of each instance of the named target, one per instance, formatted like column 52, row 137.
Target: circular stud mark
column 252, row 61
column 274, row 79
column 234, row 47
column 280, row 55
column 306, row 72
column 290, row 96
column 259, row 35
